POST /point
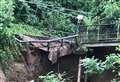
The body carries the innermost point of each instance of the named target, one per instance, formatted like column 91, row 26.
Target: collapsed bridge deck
column 55, row 47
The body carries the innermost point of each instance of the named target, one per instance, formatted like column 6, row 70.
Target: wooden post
column 79, row 70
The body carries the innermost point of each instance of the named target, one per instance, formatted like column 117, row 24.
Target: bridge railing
column 100, row 33
column 99, row 38
column 29, row 39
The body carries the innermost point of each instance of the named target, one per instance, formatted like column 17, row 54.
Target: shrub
column 95, row 66
column 92, row 65
column 53, row 77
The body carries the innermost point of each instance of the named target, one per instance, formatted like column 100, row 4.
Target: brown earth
column 2, row 76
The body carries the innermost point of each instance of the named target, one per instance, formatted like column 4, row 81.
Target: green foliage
column 118, row 48
column 95, row 66
column 56, row 13
column 89, row 21
column 8, row 45
column 40, row 16
column 53, row 77
column 111, row 9
column 26, row 12
column 6, row 12
column 38, row 13
column 114, row 80
column 57, row 24
column 7, row 49
column 110, row 61
column 117, row 66
column 24, row 29
column 92, row 66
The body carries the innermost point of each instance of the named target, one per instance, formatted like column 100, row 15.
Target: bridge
column 99, row 35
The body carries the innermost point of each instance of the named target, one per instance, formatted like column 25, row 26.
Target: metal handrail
column 48, row 41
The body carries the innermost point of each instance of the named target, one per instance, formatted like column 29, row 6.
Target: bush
column 92, row 66
column 95, row 66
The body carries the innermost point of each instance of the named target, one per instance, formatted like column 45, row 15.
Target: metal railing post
column 118, row 28
column 98, row 34
column 87, row 35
